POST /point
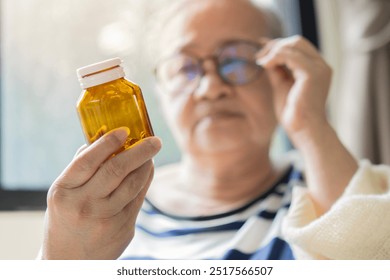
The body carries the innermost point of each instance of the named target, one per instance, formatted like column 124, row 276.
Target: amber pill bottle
column 109, row 101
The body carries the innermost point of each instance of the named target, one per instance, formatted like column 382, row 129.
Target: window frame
column 22, row 200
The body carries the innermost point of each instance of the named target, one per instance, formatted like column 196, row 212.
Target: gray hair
column 162, row 11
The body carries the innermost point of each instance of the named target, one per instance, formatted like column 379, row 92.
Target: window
column 43, row 42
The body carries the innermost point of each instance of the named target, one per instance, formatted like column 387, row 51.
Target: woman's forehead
column 207, row 23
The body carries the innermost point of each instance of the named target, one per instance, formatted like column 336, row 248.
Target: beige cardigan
column 356, row 227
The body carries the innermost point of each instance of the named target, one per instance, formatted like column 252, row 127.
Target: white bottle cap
column 100, row 73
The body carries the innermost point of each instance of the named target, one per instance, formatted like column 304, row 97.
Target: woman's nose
column 211, row 85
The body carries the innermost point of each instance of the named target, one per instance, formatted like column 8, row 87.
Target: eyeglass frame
column 214, row 57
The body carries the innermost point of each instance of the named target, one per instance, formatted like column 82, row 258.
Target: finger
column 281, row 78
column 87, row 162
column 294, row 43
column 116, row 169
column 267, row 46
column 264, row 40
column 126, row 219
column 80, row 150
column 297, row 62
column 132, row 209
column 302, row 44
column 128, row 190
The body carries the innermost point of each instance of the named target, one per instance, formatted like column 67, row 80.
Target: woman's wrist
column 312, row 135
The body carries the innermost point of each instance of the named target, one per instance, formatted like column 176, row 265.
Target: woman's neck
column 223, row 182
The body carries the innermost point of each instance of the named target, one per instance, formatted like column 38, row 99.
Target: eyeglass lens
column 235, row 62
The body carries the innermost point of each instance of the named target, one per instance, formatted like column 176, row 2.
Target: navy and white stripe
column 252, row 231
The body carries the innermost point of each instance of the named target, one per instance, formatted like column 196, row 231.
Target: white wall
column 20, row 234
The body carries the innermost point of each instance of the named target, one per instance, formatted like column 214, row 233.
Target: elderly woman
column 224, row 85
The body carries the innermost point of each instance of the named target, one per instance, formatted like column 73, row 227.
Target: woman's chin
column 220, row 143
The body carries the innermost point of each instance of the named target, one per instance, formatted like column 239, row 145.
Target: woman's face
column 217, row 117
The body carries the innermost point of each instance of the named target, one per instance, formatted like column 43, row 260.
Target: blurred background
column 43, row 43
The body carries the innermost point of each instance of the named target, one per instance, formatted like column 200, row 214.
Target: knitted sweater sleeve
column 356, row 227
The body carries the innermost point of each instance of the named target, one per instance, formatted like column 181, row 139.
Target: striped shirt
column 252, row 231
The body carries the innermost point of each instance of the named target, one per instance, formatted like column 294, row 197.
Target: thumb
column 80, row 150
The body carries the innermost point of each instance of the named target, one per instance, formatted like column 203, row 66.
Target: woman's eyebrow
column 190, row 47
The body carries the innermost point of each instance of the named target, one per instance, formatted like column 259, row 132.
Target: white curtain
column 363, row 117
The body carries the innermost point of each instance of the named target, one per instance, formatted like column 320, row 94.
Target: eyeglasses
column 235, row 61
